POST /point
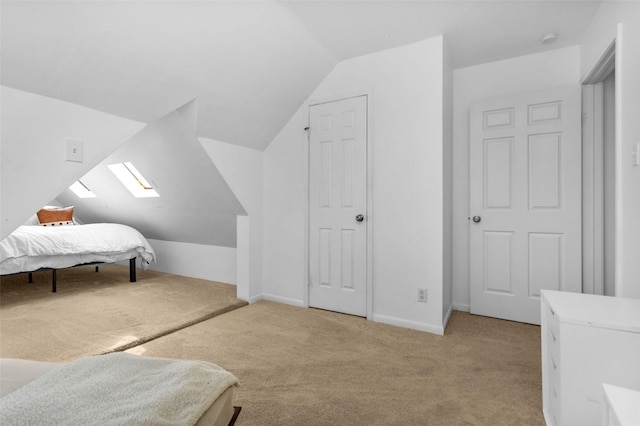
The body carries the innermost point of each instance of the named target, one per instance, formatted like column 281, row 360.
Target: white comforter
column 118, row 389
column 30, row 248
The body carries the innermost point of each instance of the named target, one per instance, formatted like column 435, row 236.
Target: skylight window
column 81, row 190
column 133, row 180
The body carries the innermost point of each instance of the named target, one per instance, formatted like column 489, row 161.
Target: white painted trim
column 254, row 299
column 603, row 66
column 462, row 307
column 284, row 300
column 588, row 183
column 619, row 158
column 414, row 325
column 334, row 98
column 598, row 190
column 592, row 189
column 370, row 215
column 307, row 153
column 447, row 317
column 593, row 146
column 368, row 94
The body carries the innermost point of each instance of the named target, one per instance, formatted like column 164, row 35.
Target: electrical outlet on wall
column 422, row 295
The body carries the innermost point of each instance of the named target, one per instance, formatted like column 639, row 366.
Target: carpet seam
column 171, row 330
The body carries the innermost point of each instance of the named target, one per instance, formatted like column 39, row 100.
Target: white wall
column 242, row 170
column 34, row 132
column 284, row 197
column 621, row 21
column 406, row 111
column 195, row 260
column 34, row 129
column 560, row 67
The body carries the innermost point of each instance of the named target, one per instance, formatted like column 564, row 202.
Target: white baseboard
column 399, row 322
column 461, row 307
column 414, row 325
column 280, row 299
column 254, row 299
column 447, row 317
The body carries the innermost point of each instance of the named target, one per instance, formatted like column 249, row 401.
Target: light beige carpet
column 310, row 367
column 94, row 313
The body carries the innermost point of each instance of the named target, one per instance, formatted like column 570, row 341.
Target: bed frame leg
column 30, row 278
column 96, row 269
column 132, row 270
column 53, row 281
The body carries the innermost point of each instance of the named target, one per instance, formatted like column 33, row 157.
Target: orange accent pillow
column 55, row 216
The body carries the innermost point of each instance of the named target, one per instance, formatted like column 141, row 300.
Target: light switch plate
column 74, row 150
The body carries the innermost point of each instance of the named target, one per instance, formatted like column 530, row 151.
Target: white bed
column 120, row 387
column 30, row 248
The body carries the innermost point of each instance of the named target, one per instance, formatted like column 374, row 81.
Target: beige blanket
column 118, row 389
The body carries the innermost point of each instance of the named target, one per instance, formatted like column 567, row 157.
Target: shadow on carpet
column 94, row 313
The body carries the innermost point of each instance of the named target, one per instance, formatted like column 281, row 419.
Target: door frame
column 593, row 191
column 492, row 104
column 368, row 94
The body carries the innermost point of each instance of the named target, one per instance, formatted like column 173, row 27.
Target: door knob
column 359, row 218
column 477, row 219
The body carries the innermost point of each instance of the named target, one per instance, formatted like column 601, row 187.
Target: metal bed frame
column 132, row 272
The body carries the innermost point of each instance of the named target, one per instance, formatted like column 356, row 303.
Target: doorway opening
column 599, row 186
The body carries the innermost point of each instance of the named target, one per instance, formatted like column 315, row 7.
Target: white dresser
column 622, row 406
column 587, row 340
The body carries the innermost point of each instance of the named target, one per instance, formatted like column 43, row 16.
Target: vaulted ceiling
column 195, row 203
column 250, row 64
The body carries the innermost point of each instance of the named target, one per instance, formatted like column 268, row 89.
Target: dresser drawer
column 587, row 340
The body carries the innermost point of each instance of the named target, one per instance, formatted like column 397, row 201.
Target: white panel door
column 337, row 206
column 525, row 225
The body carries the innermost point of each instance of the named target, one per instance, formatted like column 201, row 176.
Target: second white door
column 525, row 229
column 337, row 206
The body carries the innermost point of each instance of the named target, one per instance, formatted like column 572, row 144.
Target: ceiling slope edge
column 195, row 203
column 34, row 133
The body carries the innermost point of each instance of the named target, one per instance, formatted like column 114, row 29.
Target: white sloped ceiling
column 195, row 204
column 250, row 64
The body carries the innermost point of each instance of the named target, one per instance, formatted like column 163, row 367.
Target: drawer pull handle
column 552, row 312
column 553, row 336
